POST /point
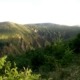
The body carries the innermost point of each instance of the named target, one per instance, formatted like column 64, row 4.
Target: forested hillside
column 58, row 61
column 43, row 51
column 17, row 38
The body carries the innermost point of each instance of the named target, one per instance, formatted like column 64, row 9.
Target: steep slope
column 12, row 37
column 17, row 38
column 50, row 30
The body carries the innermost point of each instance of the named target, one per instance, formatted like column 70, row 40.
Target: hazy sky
column 37, row 11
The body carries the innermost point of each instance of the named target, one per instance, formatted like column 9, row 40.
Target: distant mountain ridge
column 17, row 38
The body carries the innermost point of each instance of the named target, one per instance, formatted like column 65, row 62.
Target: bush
column 14, row 74
column 68, row 57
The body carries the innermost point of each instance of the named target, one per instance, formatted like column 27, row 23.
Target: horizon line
column 37, row 23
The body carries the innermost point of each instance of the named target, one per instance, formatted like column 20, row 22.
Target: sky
column 65, row 12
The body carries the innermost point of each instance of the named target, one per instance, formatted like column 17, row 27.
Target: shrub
column 14, row 74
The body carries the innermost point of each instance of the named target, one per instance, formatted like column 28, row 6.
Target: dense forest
column 53, row 52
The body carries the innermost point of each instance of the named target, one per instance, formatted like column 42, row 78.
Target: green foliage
column 45, row 60
column 2, row 61
column 76, row 44
column 52, row 62
column 68, row 57
column 14, row 74
column 58, row 49
column 37, row 60
column 49, row 65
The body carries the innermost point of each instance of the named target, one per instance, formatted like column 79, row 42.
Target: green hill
column 17, row 38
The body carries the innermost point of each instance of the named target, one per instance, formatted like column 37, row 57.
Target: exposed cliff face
column 17, row 38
